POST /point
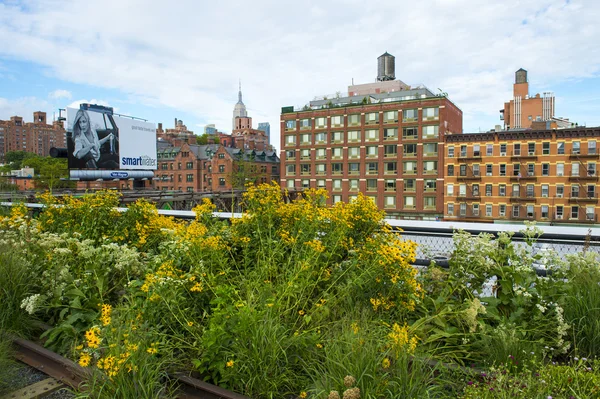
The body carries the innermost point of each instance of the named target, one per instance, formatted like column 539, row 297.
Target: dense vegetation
column 295, row 300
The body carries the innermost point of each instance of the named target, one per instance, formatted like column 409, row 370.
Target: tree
column 51, row 173
column 203, row 139
column 245, row 170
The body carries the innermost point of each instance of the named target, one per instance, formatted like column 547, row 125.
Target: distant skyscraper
column 266, row 127
column 240, row 109
column 210, row 129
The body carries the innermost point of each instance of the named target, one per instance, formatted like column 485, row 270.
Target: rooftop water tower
column 386, row 67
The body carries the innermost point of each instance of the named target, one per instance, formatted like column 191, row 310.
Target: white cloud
column 59, row 94
column 286, row 53
column 23, row 106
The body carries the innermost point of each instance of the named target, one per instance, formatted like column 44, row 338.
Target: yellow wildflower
column 230, row 363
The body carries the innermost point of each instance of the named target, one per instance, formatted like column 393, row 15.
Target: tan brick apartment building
column 389, row 146
column 548, row 175
column 208, row 168
column 36, row 137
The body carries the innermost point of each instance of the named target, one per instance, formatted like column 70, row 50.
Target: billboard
column 99, row 140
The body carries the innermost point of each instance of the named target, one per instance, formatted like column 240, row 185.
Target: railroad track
column 63, row 372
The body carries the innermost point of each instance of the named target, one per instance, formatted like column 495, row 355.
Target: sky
column 161, row 60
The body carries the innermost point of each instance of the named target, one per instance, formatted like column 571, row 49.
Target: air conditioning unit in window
column 502, row 154
column 531, row 152
column 559, row 217
column 560, row 174
column 559, row 195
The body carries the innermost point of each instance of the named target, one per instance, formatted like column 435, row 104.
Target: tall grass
column 16, row 283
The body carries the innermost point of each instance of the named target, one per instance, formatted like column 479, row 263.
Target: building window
column 390, row 116
column 430, row 149
column 546, row 148
column 590, row 213
column 545, row 190
column 321, row 183
column 409, row 202
column 502, row 190
column 575, row 212
column 430, row 185
column 372, row 168
column 488, row 190
column 502, row 150
column 449, row 190
column 320, row 123
column 488, row 210
column 371, row 135
column 591, row 169
column 429, row 202
column 409, row 115
column 390, row 151
column 353, row 184
column 305, row 124
column 354, row 168
column 560, row 190
column 430, row 132
column 545, row 169
column 290, row 125
column 321, row 153
column 371, row 118
column 409, row 167
column 305, row 139
column 451, row 151
column 337, row 137
column 353, row 136
column 560, row 169
column 576, row 149
column 337, row 168
column 289, row 140
column 390, row 134
column 450, row 209
column 371, row 184
column 305, row 183
column 410, row 150
column 502, row 210
column 502, row 169
column 516, row 211
column 390, row 184
column 221, row 181
column 488, row 169
column 463, row 209
column 390, row 168
column 337, row 121
column 336, row 153
column 290, row 170
column 574, row 169
column 337, row 198
column 592, row 147
column 221, row 168
column 189, row 178
column 517, row 149
column 431, row 114
column 430, row 167
column 320, row 138
column 354, row 120
column 489, row 150
column 450, row 170
column 530, row 148
column 560, row 148
column 559, row 211
column 409, row 133
column 390, row 201
column 353, row 152
column 336, row 185
column 189, row 165
column 305, row 154
column 320, row 168
column 371, row 151
column 305, row 169
column 410, row 185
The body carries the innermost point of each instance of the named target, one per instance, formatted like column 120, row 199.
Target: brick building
column 525, row 111
column 388, row 144
column 210, row 168
column 36, row 137
column 547, row 175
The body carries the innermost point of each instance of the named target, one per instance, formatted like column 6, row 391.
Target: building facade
column 547, row 175
column 211, row 168
column 36, row 137
column 388, row 146
column 239, row 109
column 523, row 111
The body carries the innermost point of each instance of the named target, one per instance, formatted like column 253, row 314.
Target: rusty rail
column 72, row 374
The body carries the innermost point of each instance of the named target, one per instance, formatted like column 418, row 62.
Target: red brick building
column 36, row 137
column 388, row 145
column 212, row 167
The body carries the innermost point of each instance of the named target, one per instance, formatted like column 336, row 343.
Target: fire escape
column 523, row 185
column 471, row 177
column 586, row 180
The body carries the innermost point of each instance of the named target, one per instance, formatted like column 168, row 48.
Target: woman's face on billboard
column 83, row 122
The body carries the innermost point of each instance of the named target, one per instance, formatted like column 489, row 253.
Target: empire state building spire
column 239, row 110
